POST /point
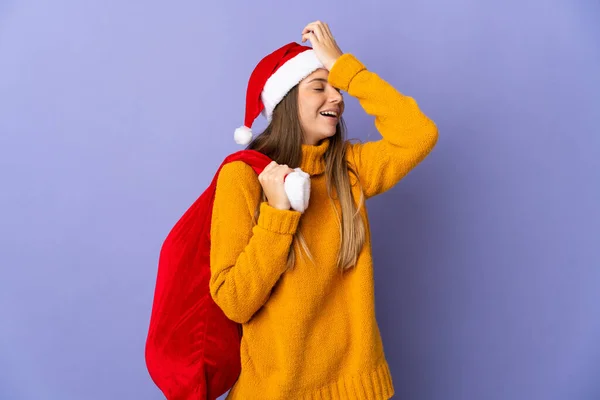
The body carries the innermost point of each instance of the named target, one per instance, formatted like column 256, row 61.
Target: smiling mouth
column 328, row 114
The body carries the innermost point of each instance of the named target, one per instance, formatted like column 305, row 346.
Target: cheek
column 302, row 112
column 309, row 109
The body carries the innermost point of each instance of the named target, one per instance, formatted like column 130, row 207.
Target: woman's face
column 320, row 107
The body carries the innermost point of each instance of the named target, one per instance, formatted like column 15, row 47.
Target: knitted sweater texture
column 310, row 332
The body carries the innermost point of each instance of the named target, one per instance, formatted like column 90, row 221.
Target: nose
column 335, row 97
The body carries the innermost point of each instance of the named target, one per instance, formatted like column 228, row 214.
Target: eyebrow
column 318, row 79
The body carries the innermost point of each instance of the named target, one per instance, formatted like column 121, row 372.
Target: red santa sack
column 193, row 349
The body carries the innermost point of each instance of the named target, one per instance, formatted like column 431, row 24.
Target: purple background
column 114, row 116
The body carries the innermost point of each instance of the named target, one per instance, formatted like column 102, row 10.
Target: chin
column 323, row 134
column 330, row 134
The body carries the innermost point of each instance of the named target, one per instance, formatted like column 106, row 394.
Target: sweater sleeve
column 408, row 135
column 246, row 259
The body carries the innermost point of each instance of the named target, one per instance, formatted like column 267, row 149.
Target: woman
column 301, row 283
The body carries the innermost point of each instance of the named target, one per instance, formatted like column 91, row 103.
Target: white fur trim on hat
column 286, row 77
column 243, row 135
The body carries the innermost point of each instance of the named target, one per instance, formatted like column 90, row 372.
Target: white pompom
column 297, row 188
column 243, row 135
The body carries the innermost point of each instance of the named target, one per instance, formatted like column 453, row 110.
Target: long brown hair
column 282, row 142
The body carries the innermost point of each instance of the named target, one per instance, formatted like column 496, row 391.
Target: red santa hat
column 273, row 77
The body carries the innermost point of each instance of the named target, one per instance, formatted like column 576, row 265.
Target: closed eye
column 322, row 90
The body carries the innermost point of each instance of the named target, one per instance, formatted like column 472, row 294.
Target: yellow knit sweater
column 310, row 332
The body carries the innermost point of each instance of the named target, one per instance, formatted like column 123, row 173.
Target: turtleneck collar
column 313, row 162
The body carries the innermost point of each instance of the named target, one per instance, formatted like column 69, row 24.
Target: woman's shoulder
column 350, row 150
column 238, row 177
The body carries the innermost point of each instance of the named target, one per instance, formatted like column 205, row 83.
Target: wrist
column 330, row 63
column 281, row 206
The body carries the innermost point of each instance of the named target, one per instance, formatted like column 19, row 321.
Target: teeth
column 332, row 113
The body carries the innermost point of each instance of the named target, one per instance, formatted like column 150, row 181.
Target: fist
column 272, row 180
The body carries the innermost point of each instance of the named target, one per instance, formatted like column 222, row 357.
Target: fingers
column 267, row 171
column 275, row 171
column 280, row 170
column 270, row 166
column 310, row 36
column 309, row 27
column 283, row 172
column 327, row 30
column 318, row 30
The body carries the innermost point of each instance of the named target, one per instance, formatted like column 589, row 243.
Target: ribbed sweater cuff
column 344, row 70
column 279, row 221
